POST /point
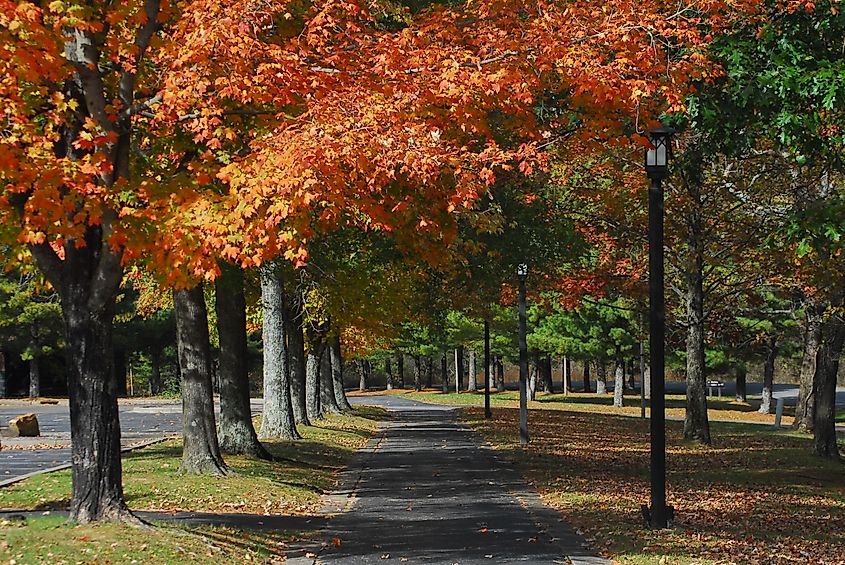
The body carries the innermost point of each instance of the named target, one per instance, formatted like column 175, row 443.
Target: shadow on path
column 428, row 490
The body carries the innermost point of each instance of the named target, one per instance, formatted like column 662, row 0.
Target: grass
column 291, row 486
column 725, row 408
column 51, row 540
column 755, row 496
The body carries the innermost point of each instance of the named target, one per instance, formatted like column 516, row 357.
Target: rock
column 25, row 426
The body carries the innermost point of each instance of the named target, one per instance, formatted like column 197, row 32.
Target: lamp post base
column 656, row 522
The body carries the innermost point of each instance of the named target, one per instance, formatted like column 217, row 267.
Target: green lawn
column 292, row 485
column 725, row 408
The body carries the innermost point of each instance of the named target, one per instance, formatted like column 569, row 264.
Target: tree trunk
column 155, row 371
column 97, row 492
column 472, row 377
column 827, row 369
column 546, row 375
column 34, row 377
column 236, row 434
column 400, row 368
column 601, row 379
column 768, row 376
column 805, row 410
column 312, row 383
column 2, row 374
column 587, row 387
column 500, row 374
column 533, row 376
column 277, row 420
column 296, row 352
column 428, row 364
column 459, row 368
column 328, row 397
column 696, row 424
column 619, row 383
column 566, row 375
column 200, row 450
column 444, row 371
column 417, row 373
column 337, row 375
column 388, row 371
column 741, row 382
column 472, row 383
column 362, row 376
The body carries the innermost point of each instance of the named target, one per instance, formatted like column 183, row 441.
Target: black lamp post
column 657, row 168
column 522, row 273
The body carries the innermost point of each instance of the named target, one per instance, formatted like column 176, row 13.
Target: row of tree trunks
column 296, row 352
column 337, row 374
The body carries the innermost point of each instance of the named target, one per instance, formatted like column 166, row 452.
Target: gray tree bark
column 328, row 398
column 417, row 373
column 472, row 383
column 400, row 368
column 34, row 377
column 337, row 375
column 768, row 376
column 696, row 423
column 277, row 420
column 428, row 366
column 619, row 383
column 296, row 352
column 827, row 369
column 500, row 374
column 388, row 371
column 2, row 374
column 200, row 450
column 459, row 368
column 236, row 434
column 601, row 377
column 741, row 382
column 363, row 375
column 312, row 383
column 805, row 410
column 444, row 371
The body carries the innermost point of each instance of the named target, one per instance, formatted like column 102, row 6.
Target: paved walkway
column 428, row 490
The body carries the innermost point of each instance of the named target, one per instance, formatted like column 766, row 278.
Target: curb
column 19, row 478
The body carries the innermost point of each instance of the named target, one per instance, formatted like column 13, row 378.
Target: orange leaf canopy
column 260, row 122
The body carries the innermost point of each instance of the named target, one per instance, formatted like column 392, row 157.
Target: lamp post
column 522, row 273
column 657, row 168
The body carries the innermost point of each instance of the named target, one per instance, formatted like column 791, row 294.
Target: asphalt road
column 430, row 491
column 140, row 422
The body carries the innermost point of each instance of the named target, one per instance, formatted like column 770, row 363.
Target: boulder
column 25, row 426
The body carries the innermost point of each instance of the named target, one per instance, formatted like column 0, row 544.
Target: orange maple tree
column 180, row 133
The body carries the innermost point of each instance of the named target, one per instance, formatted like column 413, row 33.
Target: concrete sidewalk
column 428, row 490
